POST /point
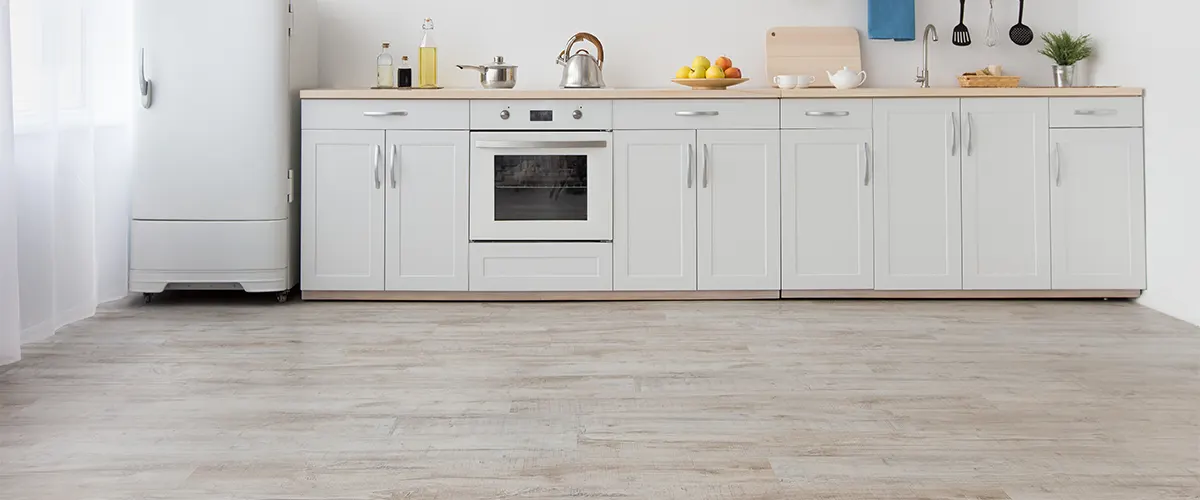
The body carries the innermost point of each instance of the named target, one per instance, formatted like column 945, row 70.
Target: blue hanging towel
column 892, row 20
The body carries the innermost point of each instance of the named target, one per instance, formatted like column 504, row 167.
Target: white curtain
column 66, row 95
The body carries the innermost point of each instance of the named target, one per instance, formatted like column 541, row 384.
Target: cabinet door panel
column 342, row 210
column 739, row 210
column 828, row 228
column 918, row 217
column 1006, row 194
column 1098, row 207
column 655, row 210
column 427, row 210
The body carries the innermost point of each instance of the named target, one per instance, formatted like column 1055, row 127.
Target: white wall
column 647, row 40
column 1151, row 44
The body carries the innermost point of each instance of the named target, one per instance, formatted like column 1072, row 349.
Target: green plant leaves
column 1066, row 49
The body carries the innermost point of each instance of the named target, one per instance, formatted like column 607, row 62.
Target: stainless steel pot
column 496, row 75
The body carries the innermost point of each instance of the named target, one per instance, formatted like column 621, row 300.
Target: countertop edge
column 614, row 94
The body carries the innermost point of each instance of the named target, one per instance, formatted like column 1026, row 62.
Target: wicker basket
column 987, row 81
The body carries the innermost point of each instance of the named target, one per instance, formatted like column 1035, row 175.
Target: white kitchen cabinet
column 342, row 210
column 828, row 210
column 654, row 237
column 1006, row 194
column 739, row 210
column 427, row 203
column 1098, row 209
column 918, row 216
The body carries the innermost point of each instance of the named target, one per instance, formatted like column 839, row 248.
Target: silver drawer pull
column 541, row 144
column 697, row 113
column 827, row 113
column 1095, row 112
column 385, row 113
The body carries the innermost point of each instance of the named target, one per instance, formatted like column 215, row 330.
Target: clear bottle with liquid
column 428, row 57
column 404, row 74
column 384, row 69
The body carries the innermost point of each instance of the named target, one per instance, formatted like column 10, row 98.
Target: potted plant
column 1066, row 50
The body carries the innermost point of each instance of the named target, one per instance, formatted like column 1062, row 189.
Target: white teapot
column 847, row 79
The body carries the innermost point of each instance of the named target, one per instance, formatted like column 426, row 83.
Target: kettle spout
column 562, row 58
column 829, row 74
column 480, row 69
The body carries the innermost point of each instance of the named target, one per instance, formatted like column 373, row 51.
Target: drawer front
column 1095, row 112
column 388, row 114
column 592, row 115
column 541, row 267
column 827, row 113
column 701, row 114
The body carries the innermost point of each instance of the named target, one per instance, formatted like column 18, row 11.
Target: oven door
column 541, row 186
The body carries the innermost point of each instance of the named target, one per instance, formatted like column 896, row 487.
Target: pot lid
column 498, row 62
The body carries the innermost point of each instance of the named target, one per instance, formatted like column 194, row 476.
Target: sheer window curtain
column 66, row 97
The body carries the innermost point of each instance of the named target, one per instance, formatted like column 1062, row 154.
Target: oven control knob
column 504, row 115
column 577, row 114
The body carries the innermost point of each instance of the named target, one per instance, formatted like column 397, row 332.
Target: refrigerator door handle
column 146, row 87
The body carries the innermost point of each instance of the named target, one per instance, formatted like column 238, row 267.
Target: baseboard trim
column 961, row 294
column 538, row 296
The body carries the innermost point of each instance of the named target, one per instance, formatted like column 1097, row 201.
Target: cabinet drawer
column 827, row 113
column 385, row 114
column 1095, row 112
column 541, row 267
column 702, row 114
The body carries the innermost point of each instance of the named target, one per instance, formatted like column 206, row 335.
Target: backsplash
column 645, row 41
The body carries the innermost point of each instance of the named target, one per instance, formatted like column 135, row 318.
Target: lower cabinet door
column 1006, row 194
column 739, row 210
column 541, row 267
column 828, row 210
column 654, row 193
column 1098, row 209
column 342, row 215
column 427, row 210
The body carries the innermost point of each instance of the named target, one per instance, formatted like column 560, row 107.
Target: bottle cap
column 386, row 45
column 403, row 58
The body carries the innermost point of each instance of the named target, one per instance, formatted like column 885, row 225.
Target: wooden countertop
column 682, row 93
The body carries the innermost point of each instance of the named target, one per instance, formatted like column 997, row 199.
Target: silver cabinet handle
column 1058, row 164
column 395, row 161
column 145, row 87
column 378, row 166
column 953, row 134
column 385, row 113
column 827, row 113
column 970, row 134
column 1095, row 112
column 541, row 144
column 691, row 166
column 866, row 164
column 697, row 113
column 705, row 154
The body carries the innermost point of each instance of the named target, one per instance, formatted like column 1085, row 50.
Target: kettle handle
column 584, row 36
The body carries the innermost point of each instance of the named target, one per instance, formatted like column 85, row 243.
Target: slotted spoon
column 962, row 36
column 1021, row 34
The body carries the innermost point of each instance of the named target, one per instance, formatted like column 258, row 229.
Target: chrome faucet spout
column 923, row 71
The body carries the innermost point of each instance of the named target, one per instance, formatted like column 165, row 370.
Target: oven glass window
column 541, row 188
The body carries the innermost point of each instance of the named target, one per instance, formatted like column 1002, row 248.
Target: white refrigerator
column 216, row 141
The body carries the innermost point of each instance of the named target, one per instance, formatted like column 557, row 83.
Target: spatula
column 962, row 36
column 1021, row 34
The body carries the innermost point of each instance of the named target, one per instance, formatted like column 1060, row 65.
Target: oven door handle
column 541, row 144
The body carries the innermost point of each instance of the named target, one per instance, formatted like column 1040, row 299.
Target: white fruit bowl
column 710, row 83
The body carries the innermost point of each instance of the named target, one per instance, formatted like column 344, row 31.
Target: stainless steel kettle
column 581, row 70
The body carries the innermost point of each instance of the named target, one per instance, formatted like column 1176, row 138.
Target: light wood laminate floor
column 205, row 399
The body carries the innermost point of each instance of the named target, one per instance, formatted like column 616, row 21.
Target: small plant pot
column 1064, row 76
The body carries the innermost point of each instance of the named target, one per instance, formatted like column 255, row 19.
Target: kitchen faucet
column 923, row 71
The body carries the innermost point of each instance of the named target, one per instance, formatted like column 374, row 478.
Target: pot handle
column 584, row 36
column 480, row 69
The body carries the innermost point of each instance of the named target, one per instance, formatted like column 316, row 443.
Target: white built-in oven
column 535, row 177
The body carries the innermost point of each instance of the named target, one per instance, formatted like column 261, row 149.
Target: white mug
column 805, row 81
column 787, row 81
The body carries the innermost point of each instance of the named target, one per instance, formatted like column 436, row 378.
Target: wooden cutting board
column 802, row 50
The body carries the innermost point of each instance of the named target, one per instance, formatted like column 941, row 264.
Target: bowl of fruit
column 705, row 75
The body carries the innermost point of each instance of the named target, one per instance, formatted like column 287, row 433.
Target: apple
column 696, row 74
column 701, row 64
column 683, row 73
column 715, row 72
column 724, row 62
column 733, row 73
